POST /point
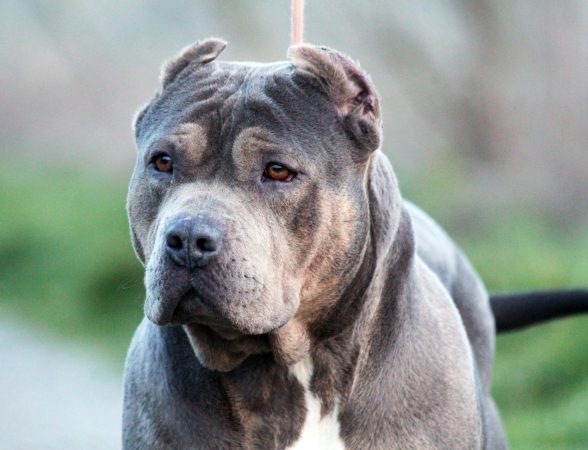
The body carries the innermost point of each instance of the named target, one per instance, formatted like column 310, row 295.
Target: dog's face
column 248, row 204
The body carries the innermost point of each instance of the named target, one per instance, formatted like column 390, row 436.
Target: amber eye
column 278, row 172
column 163, row 163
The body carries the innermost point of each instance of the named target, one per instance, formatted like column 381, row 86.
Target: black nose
column 193, row 241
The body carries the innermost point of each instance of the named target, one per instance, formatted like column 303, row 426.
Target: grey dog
column 294, row 299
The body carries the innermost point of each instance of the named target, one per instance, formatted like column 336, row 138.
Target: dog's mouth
column 189, row 307
column 195, row 308
column 192, row 307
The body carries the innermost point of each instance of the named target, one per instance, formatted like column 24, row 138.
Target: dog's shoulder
column 453, row 269
column 426, row 366
column 164, row 381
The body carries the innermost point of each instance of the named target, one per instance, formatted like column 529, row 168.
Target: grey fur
column 334, row 266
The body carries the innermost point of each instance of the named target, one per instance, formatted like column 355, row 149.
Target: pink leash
column 297, row 21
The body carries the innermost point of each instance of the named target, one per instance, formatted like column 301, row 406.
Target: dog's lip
column 195, row 308
column 191, row 307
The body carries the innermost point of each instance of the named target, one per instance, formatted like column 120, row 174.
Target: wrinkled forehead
column 229, row 97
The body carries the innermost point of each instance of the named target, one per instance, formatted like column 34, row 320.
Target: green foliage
column 65, row 256
column 66, row 263
column 541, row 374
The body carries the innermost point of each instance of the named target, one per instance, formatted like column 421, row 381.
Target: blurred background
column 485, row 106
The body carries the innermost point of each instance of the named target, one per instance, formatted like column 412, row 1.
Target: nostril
column 205, row 244
column 177, row 246
column 174, row 242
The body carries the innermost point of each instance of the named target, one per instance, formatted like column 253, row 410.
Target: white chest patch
column 317, row 433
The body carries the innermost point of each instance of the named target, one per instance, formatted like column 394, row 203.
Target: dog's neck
column 277, row 405
column 339, row 360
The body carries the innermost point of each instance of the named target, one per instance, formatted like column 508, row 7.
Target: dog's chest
column 317, row 433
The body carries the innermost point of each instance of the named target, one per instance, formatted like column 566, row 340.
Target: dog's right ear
column 197, row 54
column 348, row 87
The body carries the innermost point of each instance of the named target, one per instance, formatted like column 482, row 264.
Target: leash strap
column 297, row 21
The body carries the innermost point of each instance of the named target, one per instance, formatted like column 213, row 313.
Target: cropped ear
column 347, row 85
column 200, row 53
column 138, row 117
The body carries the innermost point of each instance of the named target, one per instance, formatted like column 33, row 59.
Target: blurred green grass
column 66, row 263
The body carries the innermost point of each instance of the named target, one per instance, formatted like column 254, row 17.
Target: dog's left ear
column 348, row 87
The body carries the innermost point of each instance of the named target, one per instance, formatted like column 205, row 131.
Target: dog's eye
column 278, row 172
column 163, row 163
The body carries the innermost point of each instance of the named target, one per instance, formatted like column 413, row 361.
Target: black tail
column 515, row 311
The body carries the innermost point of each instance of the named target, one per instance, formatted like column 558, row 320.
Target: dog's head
column 249, row 203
